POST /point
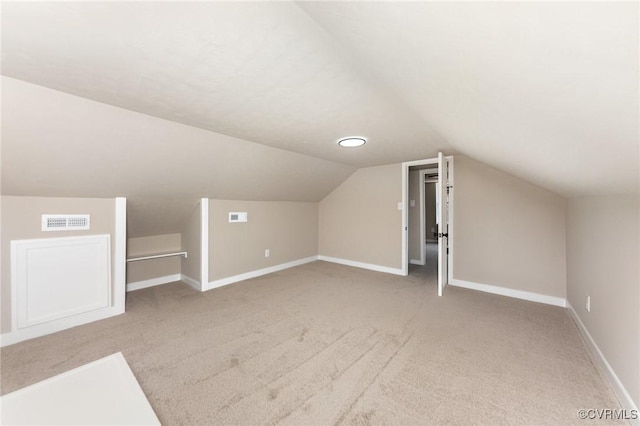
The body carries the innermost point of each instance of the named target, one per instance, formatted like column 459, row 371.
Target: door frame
column 405, row 211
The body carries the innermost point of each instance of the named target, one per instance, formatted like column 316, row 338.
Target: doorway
column 427, row 248
column 422, row 223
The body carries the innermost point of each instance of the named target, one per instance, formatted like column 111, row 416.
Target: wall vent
column 65, row 222
column 237, row 216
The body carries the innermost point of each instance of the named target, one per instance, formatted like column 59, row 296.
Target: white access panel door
column 442, row 224
column 55, row 278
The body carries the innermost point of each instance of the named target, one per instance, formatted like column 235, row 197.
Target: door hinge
column 440, row 235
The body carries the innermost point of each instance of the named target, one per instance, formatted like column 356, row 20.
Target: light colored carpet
column 329, row 344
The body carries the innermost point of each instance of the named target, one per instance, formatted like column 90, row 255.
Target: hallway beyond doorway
column 430, row 270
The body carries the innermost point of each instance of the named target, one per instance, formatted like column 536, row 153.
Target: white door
column 442, row 223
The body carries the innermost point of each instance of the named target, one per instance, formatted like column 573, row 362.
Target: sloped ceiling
column 260, row 71
column 547, row 91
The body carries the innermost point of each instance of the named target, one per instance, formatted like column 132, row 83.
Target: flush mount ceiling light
column 352, row 141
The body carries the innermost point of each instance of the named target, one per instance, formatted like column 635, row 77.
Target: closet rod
column 157, row 256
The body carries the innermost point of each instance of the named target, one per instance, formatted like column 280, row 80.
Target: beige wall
column 602, row 262
column 507, row 232
column 360, row 220
column 288, row 229
column 153, row 268
column 430, row 211
column 21, row 219
column 414, row 216
column 54, row 143
column 190, row 237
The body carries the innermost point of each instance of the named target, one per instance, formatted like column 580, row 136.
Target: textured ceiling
column 261, row 71
column 547, row 91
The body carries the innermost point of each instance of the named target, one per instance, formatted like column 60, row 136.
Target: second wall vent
column 65, row 222
column 237, row 216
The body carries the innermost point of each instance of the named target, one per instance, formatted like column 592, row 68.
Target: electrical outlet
column 588, row 305
column 266, row 253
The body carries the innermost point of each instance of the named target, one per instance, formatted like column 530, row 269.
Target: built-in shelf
column 157, row 255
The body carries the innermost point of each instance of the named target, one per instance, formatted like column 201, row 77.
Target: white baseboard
column 137, row 285
column 43, row 329
column 247, row 275
column 605, row 368
column 193, row 283
column 517, row 294
column 370, row 266
column 416, row 262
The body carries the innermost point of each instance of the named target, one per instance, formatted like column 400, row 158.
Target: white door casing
column 442, row 224
column 445, row 203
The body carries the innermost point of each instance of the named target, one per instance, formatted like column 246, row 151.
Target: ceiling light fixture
column 352, row 141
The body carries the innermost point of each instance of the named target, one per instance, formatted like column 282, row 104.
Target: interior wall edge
column 257, row 273
column 603, row 365
column 192, row 282
column 509, row 292
column 152, row 282
column 20, row 335
column 362, row 265
column 204, row 243
column 120, row 255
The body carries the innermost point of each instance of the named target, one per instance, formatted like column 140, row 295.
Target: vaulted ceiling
column 547, row 91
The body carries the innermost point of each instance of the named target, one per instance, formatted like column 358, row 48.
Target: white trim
column 247, row 275
column 509, row 292
column 152, row 282
column 193, row 283
column 43, row 329
column 433, row 160
column 370, row 266
column 405, row 212
column 451, row 230
column 14, row 289
column 416, row 262
column 204, row 243
column 441, row 190
column 405, row 219
column 120, row 256
column 423, row 219
column 603, row 365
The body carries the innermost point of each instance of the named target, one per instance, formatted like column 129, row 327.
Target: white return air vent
column 65, row 222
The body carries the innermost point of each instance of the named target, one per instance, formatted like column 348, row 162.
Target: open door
column 442, row 224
